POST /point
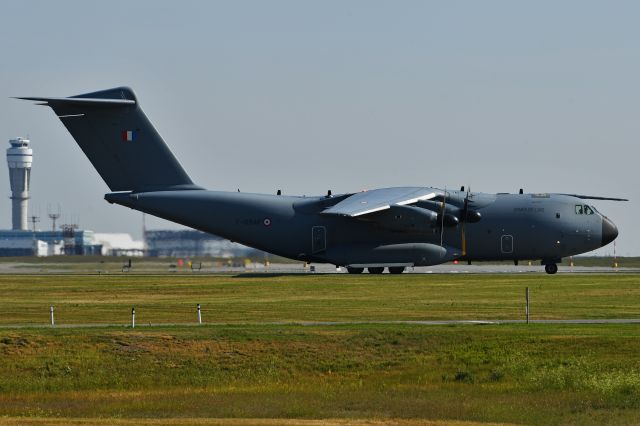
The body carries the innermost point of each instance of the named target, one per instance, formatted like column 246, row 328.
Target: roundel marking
column 266, row 222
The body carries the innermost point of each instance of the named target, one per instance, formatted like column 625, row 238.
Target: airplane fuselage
column 544, row 227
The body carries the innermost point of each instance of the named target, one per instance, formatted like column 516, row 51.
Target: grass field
column 240, row 370
column 108, row 299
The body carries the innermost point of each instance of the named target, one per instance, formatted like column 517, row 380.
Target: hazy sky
column 307, row 96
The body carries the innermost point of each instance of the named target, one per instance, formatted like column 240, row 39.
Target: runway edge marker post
column 526, row 309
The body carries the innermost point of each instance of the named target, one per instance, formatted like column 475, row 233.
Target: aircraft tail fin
column 119, row 140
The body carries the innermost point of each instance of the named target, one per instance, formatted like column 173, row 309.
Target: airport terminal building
column 48, row 243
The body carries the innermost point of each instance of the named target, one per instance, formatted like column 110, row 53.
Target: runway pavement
column 436, row 269
column 150, row 268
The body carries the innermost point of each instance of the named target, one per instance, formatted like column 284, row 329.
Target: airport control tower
column 19, row 158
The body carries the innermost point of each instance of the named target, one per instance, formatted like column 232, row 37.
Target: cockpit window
column 584, row 209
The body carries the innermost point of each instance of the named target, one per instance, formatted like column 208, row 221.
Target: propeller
column 443, row 205
column 465, row 214
column 451, row 215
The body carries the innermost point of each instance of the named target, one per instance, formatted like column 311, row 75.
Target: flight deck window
column 579, row 209
column 587, row 210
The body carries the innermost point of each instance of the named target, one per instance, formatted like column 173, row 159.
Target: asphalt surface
column 297, row 268
column 436, row 269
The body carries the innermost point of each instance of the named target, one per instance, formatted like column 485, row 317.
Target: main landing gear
column 551, row 268
column 355, row 270
column 376, row 270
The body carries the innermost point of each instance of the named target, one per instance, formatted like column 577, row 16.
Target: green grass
column 108, row 299
column 523, row 374
column 605, row 261
column 533, row 374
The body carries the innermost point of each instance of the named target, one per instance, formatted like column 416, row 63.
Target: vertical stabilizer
column 119, row 140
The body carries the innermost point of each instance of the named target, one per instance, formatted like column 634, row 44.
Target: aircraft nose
column 609, row 231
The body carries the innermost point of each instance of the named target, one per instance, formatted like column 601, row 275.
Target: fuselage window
column 587, row 210
column 579, row 209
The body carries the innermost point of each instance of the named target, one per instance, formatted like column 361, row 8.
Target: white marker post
column 199, row 315
column 133, row 317
column 526, row 309
column 51, row 314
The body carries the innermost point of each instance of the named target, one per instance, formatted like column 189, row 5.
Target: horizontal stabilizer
column 80, row 101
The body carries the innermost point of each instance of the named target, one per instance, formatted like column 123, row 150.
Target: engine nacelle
column 452, row 214
column 405, row 219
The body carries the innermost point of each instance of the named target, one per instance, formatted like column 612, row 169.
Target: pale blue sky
column 346, row 95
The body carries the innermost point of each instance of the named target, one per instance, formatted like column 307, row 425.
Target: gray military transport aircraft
column 390, row 228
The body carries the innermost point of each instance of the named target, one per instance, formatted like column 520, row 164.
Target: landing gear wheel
column 396, row 269
column 551, row 268
column 355, row 270
column 376, row 270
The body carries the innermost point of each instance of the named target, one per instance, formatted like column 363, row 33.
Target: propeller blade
column 465, row 212
column 443, row 204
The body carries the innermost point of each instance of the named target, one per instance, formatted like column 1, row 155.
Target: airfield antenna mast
column 34, row 219
column 53, row 216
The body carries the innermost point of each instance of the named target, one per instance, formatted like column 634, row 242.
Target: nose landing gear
column 551, row 268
